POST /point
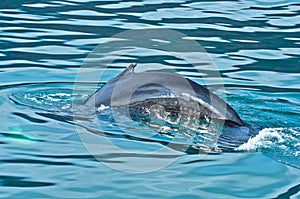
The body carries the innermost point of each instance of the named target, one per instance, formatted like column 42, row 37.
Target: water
column 254, row 45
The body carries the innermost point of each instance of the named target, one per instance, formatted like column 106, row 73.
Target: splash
column 47, row 99
column 265, row 139
column 281, row 144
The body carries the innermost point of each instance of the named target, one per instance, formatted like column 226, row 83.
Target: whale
column 174, row 94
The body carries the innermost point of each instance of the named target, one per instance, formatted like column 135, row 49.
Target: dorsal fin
column 129, row 69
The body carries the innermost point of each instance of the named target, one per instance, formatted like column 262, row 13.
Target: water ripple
column 86, row 13
column 50, row 50
column 254, row 44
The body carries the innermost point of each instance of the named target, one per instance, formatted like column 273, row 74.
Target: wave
column 281, row 144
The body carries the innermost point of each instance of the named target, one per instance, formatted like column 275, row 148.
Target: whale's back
column 130, row 88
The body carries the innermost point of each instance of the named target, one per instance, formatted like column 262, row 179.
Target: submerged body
column 175, row 95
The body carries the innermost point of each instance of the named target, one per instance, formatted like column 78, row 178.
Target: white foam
column 60, row 95
column 33, row 99
column 102, row 107
column 265, row 138
column 66, row 107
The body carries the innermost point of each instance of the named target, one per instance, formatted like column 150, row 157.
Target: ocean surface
column 55, row 53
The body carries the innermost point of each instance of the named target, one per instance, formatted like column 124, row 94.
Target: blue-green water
column 254, row 45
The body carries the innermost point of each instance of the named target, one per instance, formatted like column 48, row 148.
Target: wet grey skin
column 130, row 87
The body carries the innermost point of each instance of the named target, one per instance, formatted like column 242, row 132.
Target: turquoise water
column 46, row 154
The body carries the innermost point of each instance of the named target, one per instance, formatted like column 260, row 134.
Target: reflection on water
column 254, row 44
